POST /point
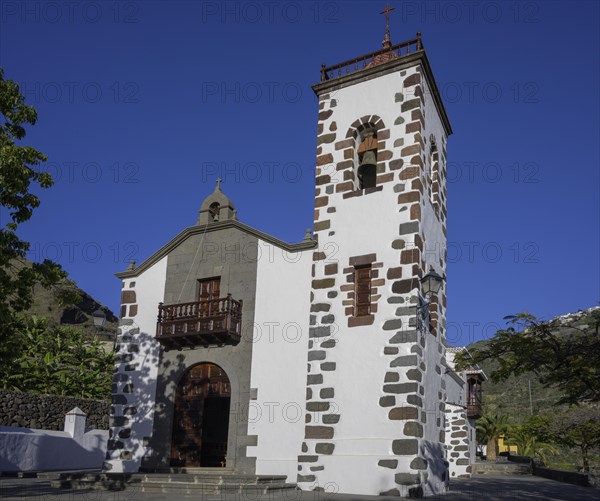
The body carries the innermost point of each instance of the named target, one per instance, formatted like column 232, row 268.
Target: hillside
column 46, row 304
column 512, row 396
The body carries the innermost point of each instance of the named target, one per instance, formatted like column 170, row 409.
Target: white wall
column 25, row 449
column 460, row 450
column 362, row 225
column 149, row 288
column 279, row 359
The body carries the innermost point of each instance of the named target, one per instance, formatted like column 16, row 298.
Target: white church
column 325, row 360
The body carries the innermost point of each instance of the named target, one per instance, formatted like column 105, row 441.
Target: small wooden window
column 362, row 291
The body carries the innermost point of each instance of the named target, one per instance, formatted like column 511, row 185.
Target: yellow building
column 502, row 447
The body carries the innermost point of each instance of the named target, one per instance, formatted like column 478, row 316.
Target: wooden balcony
column 474, row 394
column 474, row 409
column 216, row 322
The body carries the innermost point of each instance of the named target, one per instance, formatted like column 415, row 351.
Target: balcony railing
column 474, row 408
column 382, row 55
column 200, row 323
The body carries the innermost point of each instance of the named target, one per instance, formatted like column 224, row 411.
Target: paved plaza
column 480, row 488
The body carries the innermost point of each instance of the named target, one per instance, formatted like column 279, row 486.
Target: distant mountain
column 46, row 304
column 513, row 396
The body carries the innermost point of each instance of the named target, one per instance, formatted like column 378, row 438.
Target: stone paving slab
column 479, row 488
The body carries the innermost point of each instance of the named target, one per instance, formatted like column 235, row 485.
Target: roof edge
column 205, row 228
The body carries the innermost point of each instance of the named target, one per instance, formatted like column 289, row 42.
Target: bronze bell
column 367, row 170
column 368, row 158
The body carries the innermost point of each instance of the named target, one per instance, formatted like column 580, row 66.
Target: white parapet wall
column 27, row 449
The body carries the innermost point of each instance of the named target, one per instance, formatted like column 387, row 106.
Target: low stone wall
column 518, row 459
column 47, row 412
column 570, row 477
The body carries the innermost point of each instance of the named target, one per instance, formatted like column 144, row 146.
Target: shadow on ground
column 480, row 488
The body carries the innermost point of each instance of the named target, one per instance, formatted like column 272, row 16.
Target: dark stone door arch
column 201, row 417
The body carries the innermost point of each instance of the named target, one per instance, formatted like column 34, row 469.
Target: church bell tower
column 375, row 394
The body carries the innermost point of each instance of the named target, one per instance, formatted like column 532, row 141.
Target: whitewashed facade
column 322, row 360
column 463, row 407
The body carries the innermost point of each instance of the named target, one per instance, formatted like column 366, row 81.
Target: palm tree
column 489, row 428
column 528, row 444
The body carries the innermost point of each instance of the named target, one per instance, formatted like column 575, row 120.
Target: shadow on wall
column 133, row 396
column 25, row 449
column 439, row 472
column 134, row 409
column 140, row 404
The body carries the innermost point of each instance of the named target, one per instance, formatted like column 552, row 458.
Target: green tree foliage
column 532, row 438
column 59, row 361
column 19, row 172
column 566, row 358
column 489, row 428
column 577, row 426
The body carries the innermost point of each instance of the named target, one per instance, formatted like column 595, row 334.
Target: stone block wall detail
column 412, row 389
column 123, row 408
column 132, row 404
column 129, row 305
column 457, row 441
column 411, row 169
column 47, row 412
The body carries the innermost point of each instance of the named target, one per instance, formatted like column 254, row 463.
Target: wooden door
column 208, row 294
column 209, row 289
column 201, row 418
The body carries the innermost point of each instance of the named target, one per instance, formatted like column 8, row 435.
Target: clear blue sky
column 143, row 104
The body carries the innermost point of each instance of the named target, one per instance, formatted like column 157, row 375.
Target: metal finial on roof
column 387, row 41
column 219, row 181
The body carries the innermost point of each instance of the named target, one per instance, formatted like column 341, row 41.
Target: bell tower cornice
column 379, row 63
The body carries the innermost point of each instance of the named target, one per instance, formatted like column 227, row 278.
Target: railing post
column 239, row 318
column 228, row 312
column 159, row 320
column 419, row 43
column 323, row 75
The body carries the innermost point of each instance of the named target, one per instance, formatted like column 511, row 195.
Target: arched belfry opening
column 201, row 418
column 214, row 210
column 367, row 160
column 216, row 207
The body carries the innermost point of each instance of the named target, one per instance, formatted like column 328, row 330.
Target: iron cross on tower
column 387, row 41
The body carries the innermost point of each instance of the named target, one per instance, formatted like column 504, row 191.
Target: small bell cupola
column 216, row 207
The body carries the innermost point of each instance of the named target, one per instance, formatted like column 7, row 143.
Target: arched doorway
column 201, row 418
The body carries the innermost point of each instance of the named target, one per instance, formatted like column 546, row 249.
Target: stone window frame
column 434, row 178
column 360, row 140
column 349, row 146
column 349, row 288
column 357, row 283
